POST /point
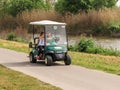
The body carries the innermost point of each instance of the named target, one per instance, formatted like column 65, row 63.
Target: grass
column 21, row 47
column 109, row 64
column 13, row 80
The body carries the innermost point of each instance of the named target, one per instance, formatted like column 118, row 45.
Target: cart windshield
column 55, row 35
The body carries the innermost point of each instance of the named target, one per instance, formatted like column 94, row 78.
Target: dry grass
column 19, row 24
column 85, row 21
column 89, row 23
column 81, row 22
column 36, row 15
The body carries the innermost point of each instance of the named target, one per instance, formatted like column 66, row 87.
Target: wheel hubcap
column 45, row 60
column 30, row 57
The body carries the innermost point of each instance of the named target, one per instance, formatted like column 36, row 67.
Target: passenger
column 50, row 39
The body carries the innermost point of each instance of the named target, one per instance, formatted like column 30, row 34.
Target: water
column 109, row 43
column 104, row 42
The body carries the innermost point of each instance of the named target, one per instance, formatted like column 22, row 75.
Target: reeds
column 80, row 23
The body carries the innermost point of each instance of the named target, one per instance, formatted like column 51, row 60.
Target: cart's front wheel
column 32, row 59
column 48, row 60
column 67, row 60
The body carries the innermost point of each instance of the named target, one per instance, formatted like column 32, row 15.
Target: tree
column 104, row 4
column 59, row 6
column 18, row 6
column 3, row 8
column 75, row 6
column 38, row 3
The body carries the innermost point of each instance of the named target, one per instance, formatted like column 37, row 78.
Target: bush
column 73, row 48
column 19, row 39
column 88, row 46
column 97, row 50
column 11, row 36
column 114, row 27
column 84, row 44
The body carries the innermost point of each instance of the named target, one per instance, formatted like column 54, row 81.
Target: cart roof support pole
column 33, row 33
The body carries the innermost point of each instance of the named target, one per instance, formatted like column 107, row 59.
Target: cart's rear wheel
column 48, row 60
column 67, row 60
column 32, row 59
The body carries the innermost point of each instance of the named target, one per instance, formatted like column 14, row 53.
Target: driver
column 41, row 45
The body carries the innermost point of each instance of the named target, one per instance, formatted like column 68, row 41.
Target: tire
column 48, row 60
column 67, row 60
column 32, row 59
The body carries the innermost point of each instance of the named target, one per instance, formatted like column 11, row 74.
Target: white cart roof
column 46, row 22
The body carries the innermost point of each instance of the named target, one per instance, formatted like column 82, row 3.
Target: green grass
column 109, row 64
column 13, row 80
column 17, row 46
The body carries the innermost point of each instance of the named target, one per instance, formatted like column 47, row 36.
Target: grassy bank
column 109, row 64
column 17, row 46
column 12, row 80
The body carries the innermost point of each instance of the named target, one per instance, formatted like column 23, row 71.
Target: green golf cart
column 55, row 49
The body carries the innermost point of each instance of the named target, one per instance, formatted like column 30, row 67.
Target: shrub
column 114, row 27
column 19, row 39
column 73, row 48
column 11, row 36
column 84, row 44
column 88, row 46
column 97, row 50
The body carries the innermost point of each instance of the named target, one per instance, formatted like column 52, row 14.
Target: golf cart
column 54, row 49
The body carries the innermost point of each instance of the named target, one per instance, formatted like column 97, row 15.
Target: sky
column 118, row 3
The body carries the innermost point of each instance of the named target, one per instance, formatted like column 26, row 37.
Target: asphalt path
column 66, row 77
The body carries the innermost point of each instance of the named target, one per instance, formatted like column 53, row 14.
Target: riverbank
column 110, row 64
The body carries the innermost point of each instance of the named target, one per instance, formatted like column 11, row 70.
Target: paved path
column 66, row 77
